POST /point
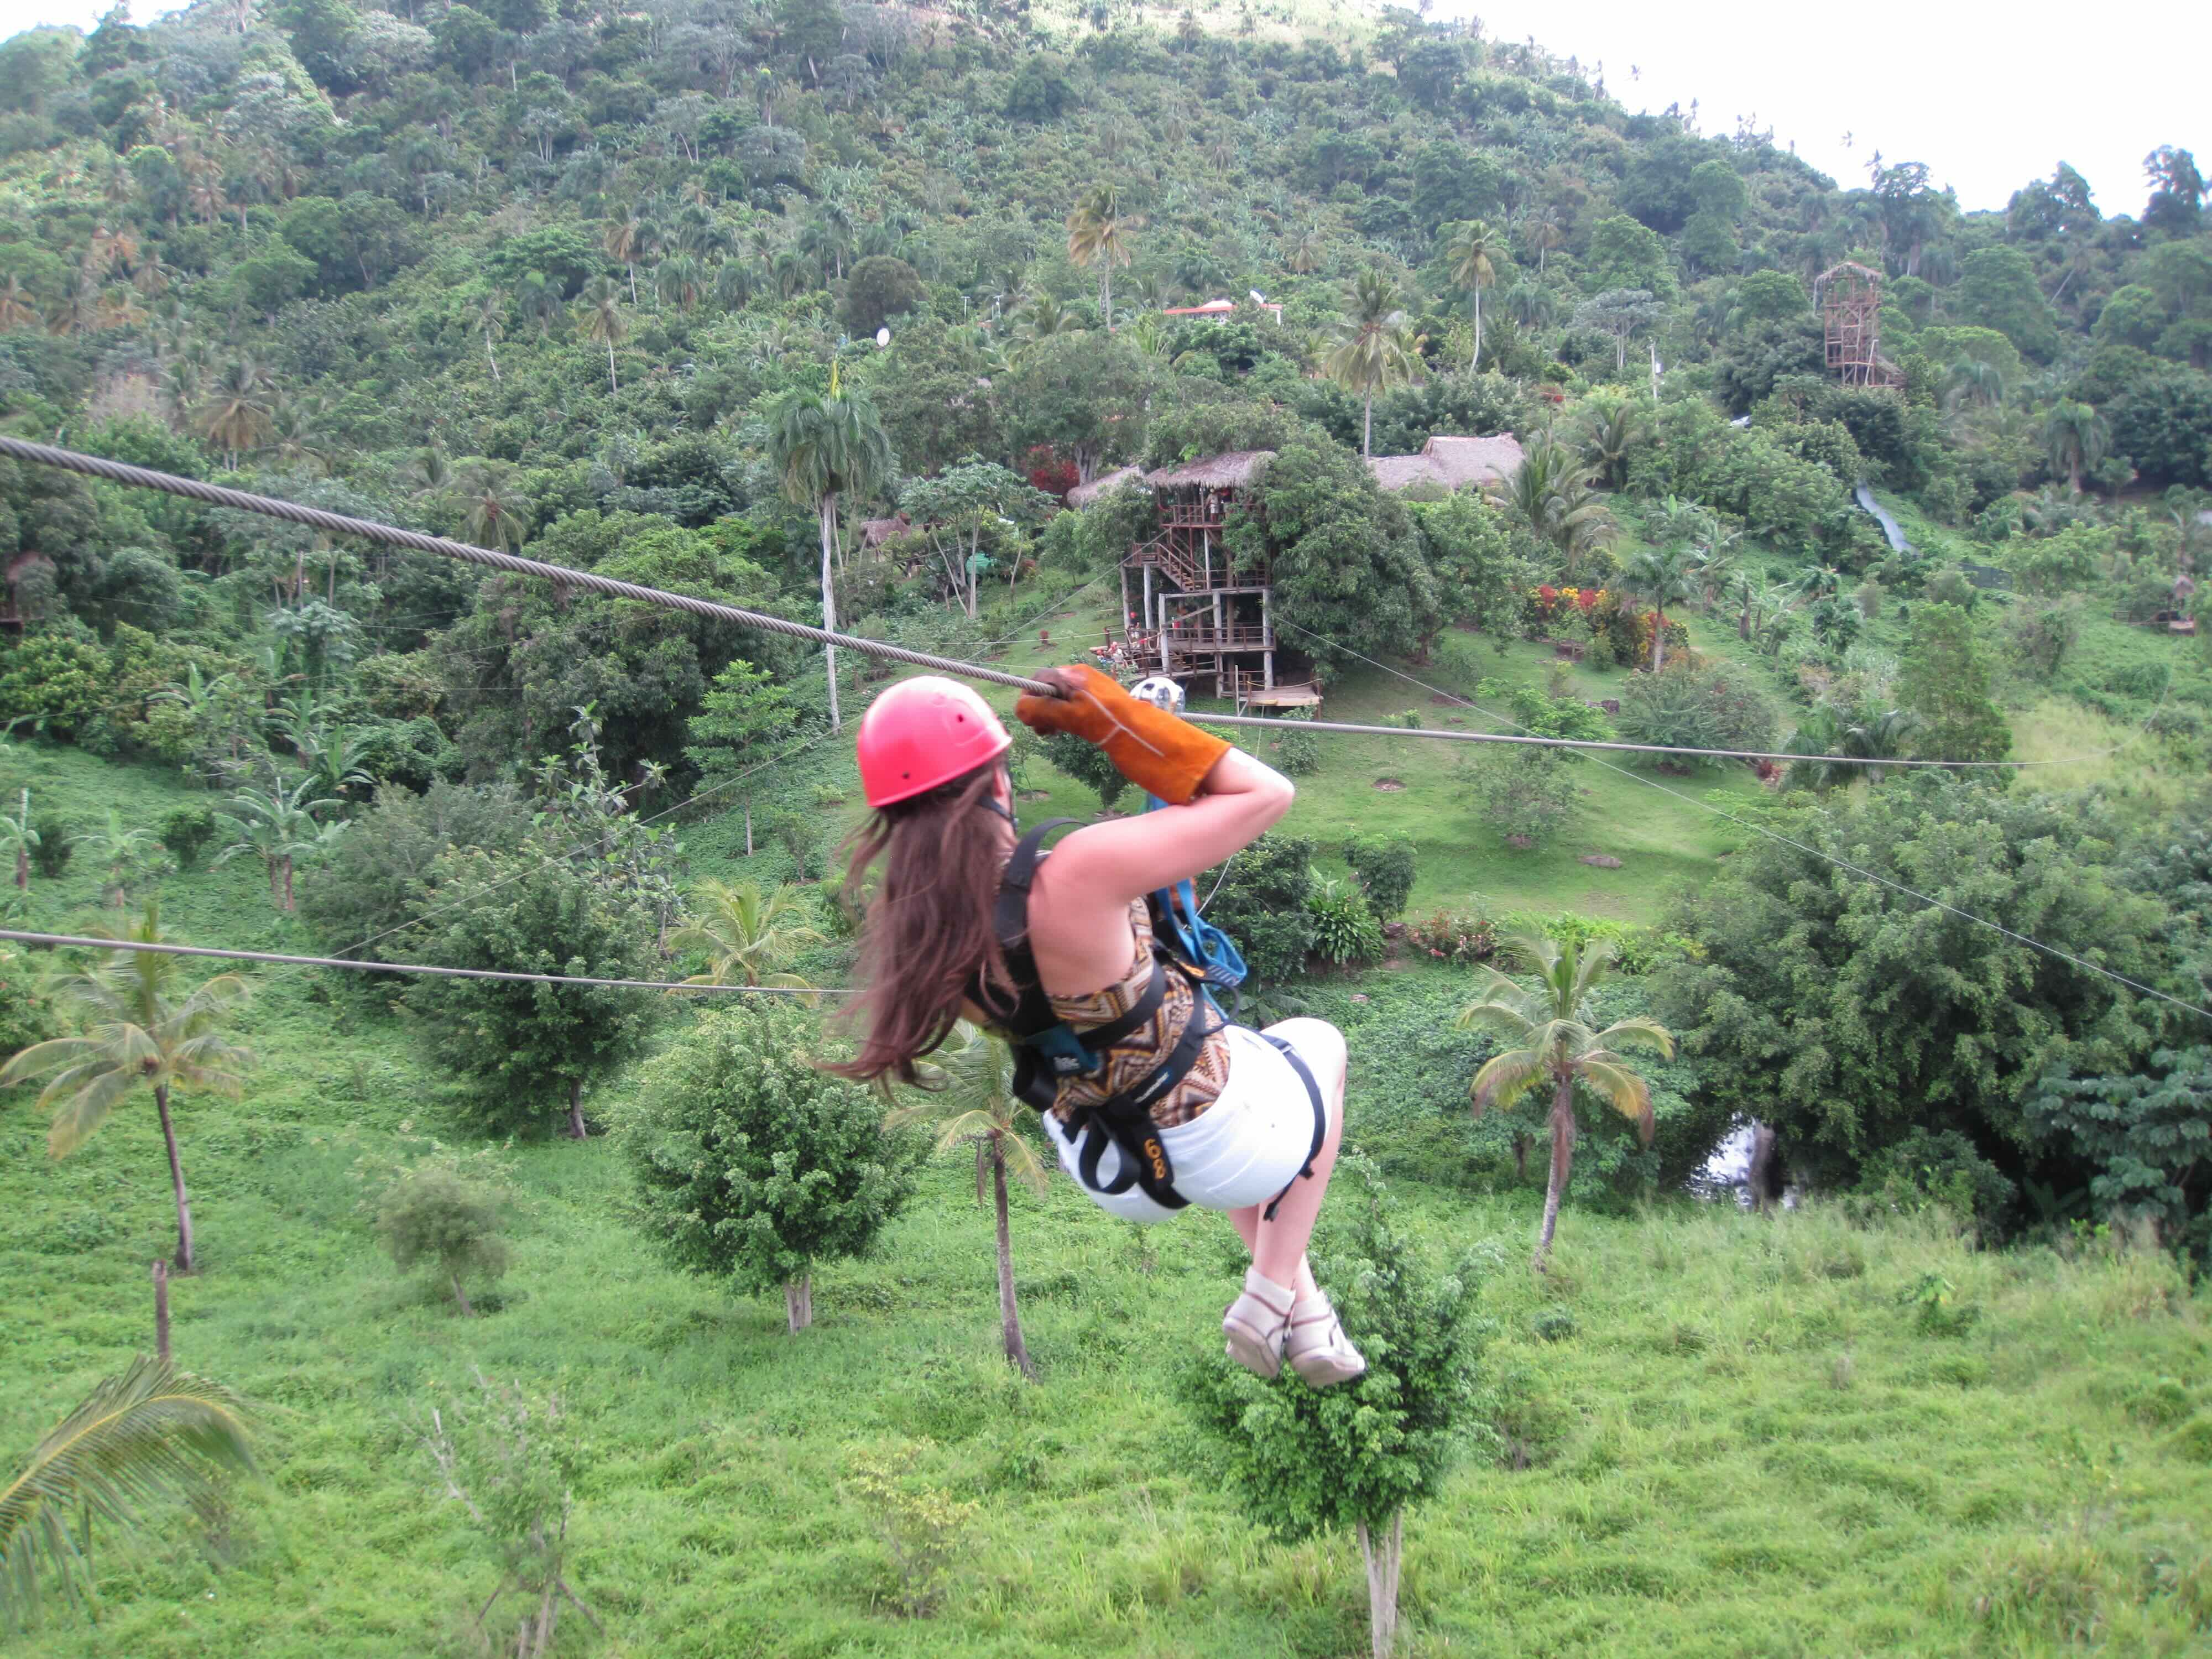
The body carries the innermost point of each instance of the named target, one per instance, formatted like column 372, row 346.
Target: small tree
column 1528, row 792
column 434, row 1214
column 972, row 1101
column 1304, row 1460
column 1385, row 866
column 185, row 831
column 20, row 840
column 1945, row 680
column 519, row 1046
column 752, row 1163
column 279, row 827
column 1089, row 765
column 749, row 937
column 126, row 855
column 1551, row 1024
column 143, row 1033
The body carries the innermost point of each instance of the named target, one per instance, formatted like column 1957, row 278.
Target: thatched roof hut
column 1237, row 470
column 874, row 532
column 1084, row 495
column 1454, row 463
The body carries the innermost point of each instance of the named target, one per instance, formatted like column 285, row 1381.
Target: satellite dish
column 882, row 337
column 1258, row 298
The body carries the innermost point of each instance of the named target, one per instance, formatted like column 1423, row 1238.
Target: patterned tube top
column 1133, row 1059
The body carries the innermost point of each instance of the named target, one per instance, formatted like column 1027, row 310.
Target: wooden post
column 748, row 829
column 1268, row 640
column 1148, row 598
column 1221, row 657
column 1125, row 600
column 162, row 1310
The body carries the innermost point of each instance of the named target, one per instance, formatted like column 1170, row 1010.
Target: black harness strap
column 1126, row 1119
column 1321, row 1122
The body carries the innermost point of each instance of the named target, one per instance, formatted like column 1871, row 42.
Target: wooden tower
column 1199, row 613
column 1850, row 298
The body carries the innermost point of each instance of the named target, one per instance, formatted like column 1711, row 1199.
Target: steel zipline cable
column 164, row 949
column 98, row 466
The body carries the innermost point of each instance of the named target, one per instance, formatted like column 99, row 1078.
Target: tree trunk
column 1385, row 1552
column 798, row 1302
column 1658, row 639
column 1743, row 624
column 461, row 1296
column 748, row 829
column 1010, row 1318
column 1367, row 428
column 612, row 387
column 1563, row 1162
column 162, row 1310
column 23, row 866
column 829, row 519
column 176, row 1181
column 1476, row 362
column 288, row 906
column 576, row 1128
column 1106, row 291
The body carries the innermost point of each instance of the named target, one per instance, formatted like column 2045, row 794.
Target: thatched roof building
column 1083, row 495
column 874, row 532
column 1237, row 470
column 1454, row 463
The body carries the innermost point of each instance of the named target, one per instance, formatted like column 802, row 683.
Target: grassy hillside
column 1708, row 1432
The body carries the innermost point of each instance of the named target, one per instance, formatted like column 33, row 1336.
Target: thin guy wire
column 1813, row 851
column 423, row 968
column 218, row 495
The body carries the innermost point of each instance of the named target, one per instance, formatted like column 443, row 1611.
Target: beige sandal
column 1255, row 1322
column 1316, row 1346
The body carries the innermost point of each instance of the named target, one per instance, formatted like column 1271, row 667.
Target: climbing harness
column 1047, row 1049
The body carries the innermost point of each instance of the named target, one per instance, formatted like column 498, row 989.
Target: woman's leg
column 1279, row 1247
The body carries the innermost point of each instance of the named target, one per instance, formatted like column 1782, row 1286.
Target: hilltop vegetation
column 823, row 310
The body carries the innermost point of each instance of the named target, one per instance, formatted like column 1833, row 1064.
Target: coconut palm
column 144, row 1029
column 235, row 416
column 1543, row 230
column 749, row 937
column 2077, row 438
column 603, row 320
column 1305, row 250
column 1608, row 429
column 1372, row 351
column 826, row 447
column 17, row 309
column 279, row 828
column 496, row 517
column 1664, row 576
column 680, row 281
column 620, row 238
column 1548, row 493
column 972, row 1100
column 123, row 851
column 1531, row 305
column 1550, row 1025
column 1039, row 319
column 1468, row 262
column 1971, row 381
column 147, row 1439
column 1098, row 235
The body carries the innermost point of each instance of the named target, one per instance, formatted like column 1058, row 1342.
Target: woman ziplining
column 1082, row 959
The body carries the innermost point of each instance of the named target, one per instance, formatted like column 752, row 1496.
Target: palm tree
column 142, row 1033
column 1552, row 1025
column 680, row 281
column 972, row 1101
column 1467, row 262
column 150, row 1437
column 2076, row 437
column 1531, row 305
column 1039, row 319
column 1306, row 252
column 1372, row 352
column 278, row 828
column 235, row 417
column 489, row 319
column 123, row 852
column 620, row 240
column 1543, row 230
column 1970, row 380
column 1098, row 234
column 1665, row 576
column 17, row 309
column 825, row 447
column 538, row 298
column 17, row 839
column 1607, row 432
column 497, row 517
column 750, row 937
column 1548, row 493
column 603, row 320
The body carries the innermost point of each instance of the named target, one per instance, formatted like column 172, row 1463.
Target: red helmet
column 922, row 733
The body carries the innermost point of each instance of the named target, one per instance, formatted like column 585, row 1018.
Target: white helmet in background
column 1160, row 691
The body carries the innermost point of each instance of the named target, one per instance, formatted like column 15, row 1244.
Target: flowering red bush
column 1048, row 472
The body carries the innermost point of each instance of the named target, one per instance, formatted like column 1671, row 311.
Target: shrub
column 185, row 831
column 1088, row 765
column 1297, row 754
column 434, row 1215
column 1528, row 792
column 1385, row 866
column 922, row 1526
column 1345, row 927
column 1688, row 706
column 56, row 841
column 1261, row 903
column 1458, row 937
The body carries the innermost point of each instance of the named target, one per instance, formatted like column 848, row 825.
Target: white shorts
column 1240, row 1151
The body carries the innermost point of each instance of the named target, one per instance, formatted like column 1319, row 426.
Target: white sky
column 1989, row 95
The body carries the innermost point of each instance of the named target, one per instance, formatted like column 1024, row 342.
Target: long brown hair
column 927, row 934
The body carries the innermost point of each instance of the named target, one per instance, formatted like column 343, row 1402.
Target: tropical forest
column 1764, row 889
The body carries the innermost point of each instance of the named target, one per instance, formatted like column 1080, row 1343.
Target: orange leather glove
column 1161, row 753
